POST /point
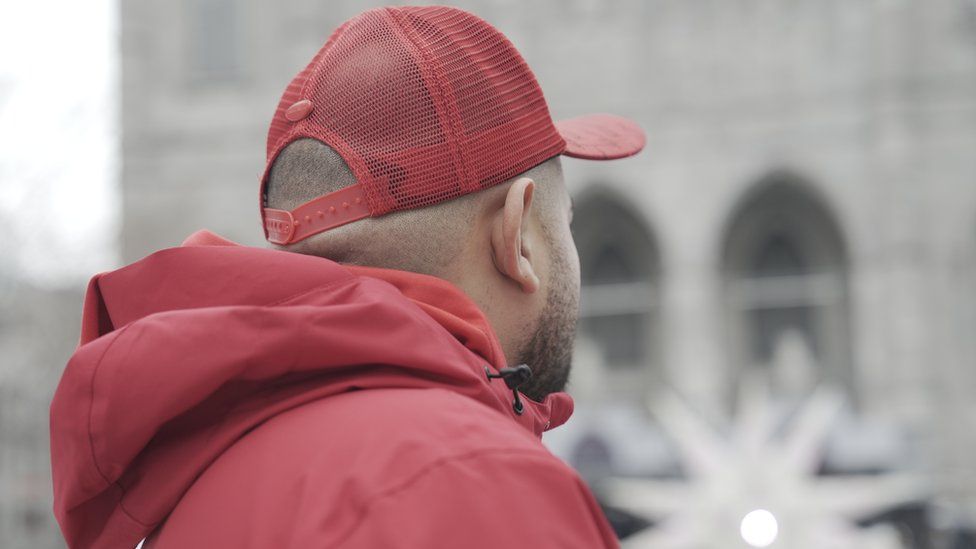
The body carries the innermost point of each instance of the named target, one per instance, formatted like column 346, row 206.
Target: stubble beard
column 549, row 352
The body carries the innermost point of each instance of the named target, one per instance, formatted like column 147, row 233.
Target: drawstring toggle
column 514, row 377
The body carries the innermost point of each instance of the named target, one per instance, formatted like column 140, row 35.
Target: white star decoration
column 758, row 487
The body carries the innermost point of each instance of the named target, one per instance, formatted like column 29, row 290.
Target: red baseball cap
column 425, row 104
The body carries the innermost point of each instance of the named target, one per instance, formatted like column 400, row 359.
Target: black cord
column 514, row 377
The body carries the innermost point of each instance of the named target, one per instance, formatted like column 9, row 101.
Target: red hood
column 186, row 350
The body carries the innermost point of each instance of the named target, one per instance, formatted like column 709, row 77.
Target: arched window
column 618, row 260
column 785, row 271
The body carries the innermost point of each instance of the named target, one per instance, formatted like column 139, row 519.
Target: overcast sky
column 59, row 193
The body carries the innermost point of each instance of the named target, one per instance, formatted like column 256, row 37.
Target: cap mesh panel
column 424, row 104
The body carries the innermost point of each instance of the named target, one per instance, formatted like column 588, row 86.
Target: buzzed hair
column 424, row 240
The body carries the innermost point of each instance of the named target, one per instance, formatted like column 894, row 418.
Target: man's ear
column 510, row 249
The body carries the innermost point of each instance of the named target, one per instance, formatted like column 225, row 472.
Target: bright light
column 759, row 528
column 71, row 110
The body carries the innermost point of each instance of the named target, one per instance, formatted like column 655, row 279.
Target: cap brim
column 601, row 137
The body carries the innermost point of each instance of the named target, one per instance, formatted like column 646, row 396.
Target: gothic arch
column 785, row 273
column 620, row 270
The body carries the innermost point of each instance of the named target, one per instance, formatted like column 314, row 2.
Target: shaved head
column 425, row 240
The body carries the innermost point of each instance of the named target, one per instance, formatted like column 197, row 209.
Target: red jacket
column 231, row 396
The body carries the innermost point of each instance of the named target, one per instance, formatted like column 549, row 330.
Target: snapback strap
column 319, row 214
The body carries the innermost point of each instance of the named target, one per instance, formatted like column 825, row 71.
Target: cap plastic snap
column 299, row 110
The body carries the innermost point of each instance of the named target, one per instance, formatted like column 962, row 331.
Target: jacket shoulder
column 326, row 461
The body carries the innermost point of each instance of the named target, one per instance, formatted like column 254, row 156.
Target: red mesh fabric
column 423, row 103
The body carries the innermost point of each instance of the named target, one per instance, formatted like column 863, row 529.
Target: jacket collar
column 450, row 307
column 458, row 314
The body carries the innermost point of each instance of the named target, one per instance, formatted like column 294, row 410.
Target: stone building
column 810, row 170
column 38, row 331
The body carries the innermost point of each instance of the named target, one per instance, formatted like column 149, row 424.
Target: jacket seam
column 364, row 510
column 91, row 441
column 284, row 300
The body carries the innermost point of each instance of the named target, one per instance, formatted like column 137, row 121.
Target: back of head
column 429, row 240
column 423, row 104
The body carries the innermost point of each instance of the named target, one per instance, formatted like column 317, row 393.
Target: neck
column 497, row 308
